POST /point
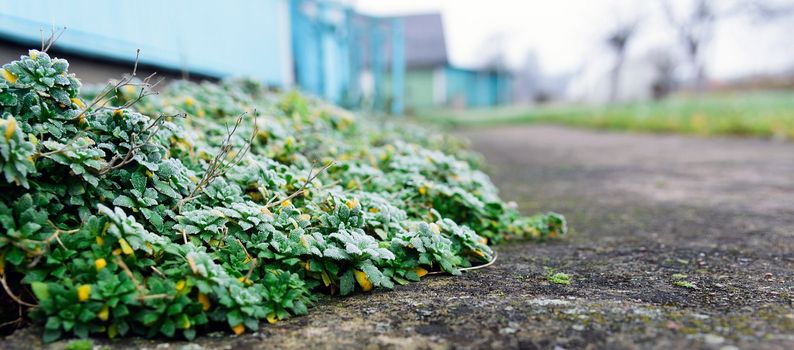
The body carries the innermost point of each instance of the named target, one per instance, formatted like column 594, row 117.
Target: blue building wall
column 477, row 88
column 217, row 38
column 321, row 45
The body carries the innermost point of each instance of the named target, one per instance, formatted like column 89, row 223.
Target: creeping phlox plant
column 221, row 205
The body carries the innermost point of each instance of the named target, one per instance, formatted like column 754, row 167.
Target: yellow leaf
column 305, row 217
column 113, row 331
column 434, row 227
column 326, row 278
column 238, row 329
column 11, row 127
column 125, row 247
column 3, row 263
column 363, row 280
column 10, row 77
column 100, row 264
column 245, row 281
column 78, row 102
column 420, row 271
column 117, row 251
column 204, row 300
column 104, row 313
column 185, row 322
column 83, row 292
column 304, row 242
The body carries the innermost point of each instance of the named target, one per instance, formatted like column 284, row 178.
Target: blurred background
column 695, row 66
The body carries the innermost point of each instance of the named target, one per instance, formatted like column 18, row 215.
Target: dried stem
column 312, row 176
column 12, row 295
column 129, row 273
column 219, row 165
column 104, row 96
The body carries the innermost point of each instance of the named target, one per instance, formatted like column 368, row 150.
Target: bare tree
column 694, row 29
column 663, row 63
column 618, row 40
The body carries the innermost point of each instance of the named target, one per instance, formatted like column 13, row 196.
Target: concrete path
column 646, row 212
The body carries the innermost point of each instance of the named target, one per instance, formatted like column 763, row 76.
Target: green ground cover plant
column 221, row 205
column 762, row 114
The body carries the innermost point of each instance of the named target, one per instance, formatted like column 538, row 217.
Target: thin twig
column 219, row 165
column 311, row 178
column 120, row 161
column 12, row 295
column 54, row 36
column 472, row 268
column 129, row 273
column 250, row 270
column 146, row 89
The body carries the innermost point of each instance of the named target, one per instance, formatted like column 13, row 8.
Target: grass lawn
column 766, row 114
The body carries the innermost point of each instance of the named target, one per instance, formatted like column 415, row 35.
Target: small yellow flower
column 104, row 313
column 351, row 203
column 374, row 210
column 204, row 300
column 83, row 292
column 286, row 203
column 180, row 286
column 149, row 174
column 118, row 113
column 363, row 280
column 8, row 76
column 188, row 101
column 420, row 271
column 245, row 281
column 271, row 318
column 125, row 247
column 33, row 54
column 423, row 190
column 238, row 329
column 100, row 264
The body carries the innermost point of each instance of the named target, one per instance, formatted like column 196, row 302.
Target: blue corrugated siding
column 321, row 39
column 219, row 38
column 477, row 88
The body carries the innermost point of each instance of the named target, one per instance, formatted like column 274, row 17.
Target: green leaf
column 40, row 290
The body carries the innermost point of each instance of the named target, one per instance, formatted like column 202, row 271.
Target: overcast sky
column 566, row 34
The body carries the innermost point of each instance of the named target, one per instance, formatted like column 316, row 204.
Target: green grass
column 765, row 114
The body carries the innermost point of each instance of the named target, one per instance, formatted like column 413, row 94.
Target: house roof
column 425, row 42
